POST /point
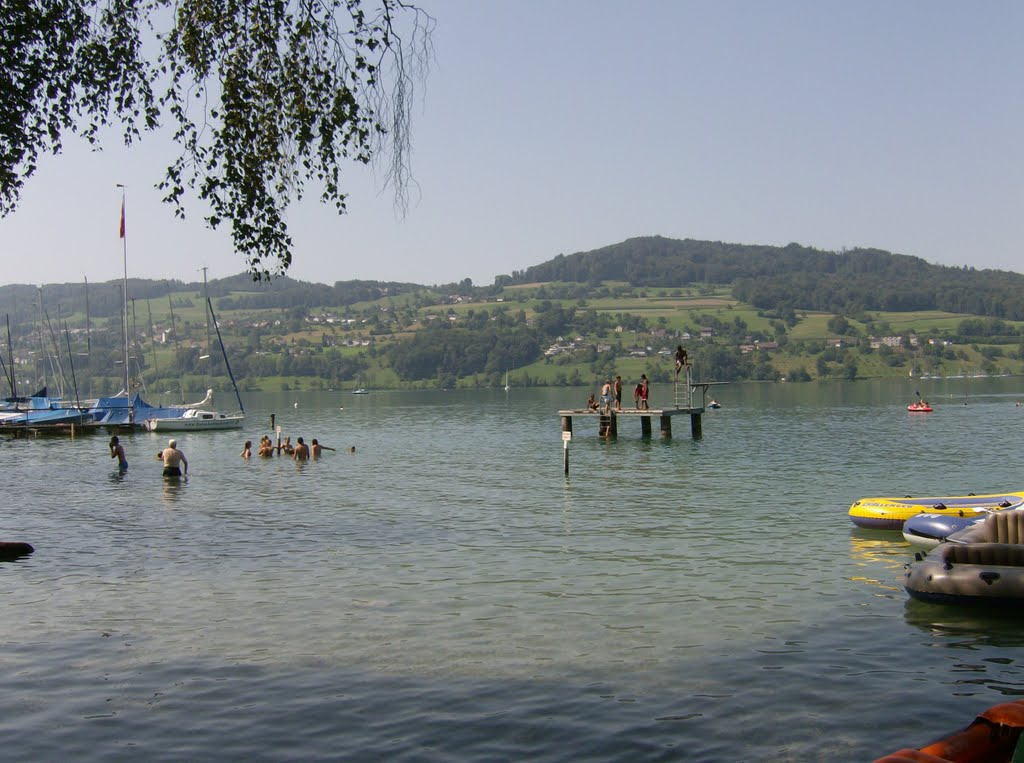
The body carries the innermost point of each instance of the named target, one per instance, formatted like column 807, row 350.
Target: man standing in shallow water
column 173, row 460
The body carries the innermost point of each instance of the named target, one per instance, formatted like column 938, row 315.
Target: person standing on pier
column 618, row 393
column 606, row 396
column 645, row 389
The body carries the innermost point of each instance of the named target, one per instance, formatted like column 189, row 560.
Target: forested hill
column 794, row 276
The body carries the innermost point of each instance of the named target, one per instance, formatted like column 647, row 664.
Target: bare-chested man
column 317, row 449
column 173, row 460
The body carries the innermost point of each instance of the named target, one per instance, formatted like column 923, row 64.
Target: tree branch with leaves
column 262, row 96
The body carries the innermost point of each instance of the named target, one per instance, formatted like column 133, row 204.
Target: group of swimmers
column 300, row 451
column 176, row 465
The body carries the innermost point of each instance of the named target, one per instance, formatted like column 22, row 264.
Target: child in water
column 117, row 451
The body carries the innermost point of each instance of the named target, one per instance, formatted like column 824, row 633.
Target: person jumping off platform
column 681, row 359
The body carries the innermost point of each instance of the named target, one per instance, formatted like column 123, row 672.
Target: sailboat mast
column 88, row 322
column 10, row 356
column 42, row 347
column 124, row 253
column 152, row 338
column 177, row 349
column 220, row 340
column 206, row 297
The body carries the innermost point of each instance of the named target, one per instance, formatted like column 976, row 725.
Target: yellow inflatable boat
column 891, row 513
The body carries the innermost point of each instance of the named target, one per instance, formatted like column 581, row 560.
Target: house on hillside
column 887, row 341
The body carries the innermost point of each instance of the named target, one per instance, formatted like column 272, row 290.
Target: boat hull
column 889, row 513
column 989, row 574
column 197, row 421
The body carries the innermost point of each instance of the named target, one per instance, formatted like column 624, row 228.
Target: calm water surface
column 446, row 594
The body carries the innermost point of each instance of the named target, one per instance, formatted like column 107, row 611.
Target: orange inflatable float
column 991, row 738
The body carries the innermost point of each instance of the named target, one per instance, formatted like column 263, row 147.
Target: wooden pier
column 608, row 423
column 689, row 397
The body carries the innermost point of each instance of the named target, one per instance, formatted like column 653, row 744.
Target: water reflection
column 173, row 488
column 874, row 551
column 967, row 627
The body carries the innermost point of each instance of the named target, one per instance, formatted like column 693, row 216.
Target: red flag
column 122, row 218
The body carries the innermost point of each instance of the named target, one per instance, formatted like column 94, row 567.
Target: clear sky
column 549, row 127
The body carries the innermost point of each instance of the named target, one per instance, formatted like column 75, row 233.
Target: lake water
column 445, row 593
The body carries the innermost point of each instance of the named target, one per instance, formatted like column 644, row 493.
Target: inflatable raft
column 929, row 530
column 982, row 564
column 891, row 513
column 992, row 737
column 920, row 408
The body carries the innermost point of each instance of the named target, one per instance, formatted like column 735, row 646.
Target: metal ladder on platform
column 683, row 393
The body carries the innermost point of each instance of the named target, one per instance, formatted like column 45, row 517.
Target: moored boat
column 41, row 412
column 196, row 420
column 889, row 513
column 118, row 411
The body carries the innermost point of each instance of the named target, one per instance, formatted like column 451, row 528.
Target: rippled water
column 446, row 593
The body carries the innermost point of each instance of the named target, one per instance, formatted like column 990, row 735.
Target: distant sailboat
column 358, row 389
column 195, row 419
column 507, row 387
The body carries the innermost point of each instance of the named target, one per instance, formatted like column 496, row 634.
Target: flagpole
column 127, row 372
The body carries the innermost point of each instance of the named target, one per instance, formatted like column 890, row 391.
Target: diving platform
column 689, row 398
column 608, row 423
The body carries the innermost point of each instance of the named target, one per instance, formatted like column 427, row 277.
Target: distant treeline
column 106, row 300
column 778, row 279
column 793, row 277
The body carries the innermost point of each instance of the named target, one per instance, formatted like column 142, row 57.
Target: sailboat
column 197, row 418
column 359, row 389
column 507, row 387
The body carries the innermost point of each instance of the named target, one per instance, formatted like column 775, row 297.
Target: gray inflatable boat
column 982, row 564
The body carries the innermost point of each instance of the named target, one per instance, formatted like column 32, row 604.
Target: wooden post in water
column 566, row 438
column 666, row 427
column 695, row 428
column 645, row 426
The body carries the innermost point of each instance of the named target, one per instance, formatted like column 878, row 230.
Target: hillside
column 744, row 312
column 776, row 278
